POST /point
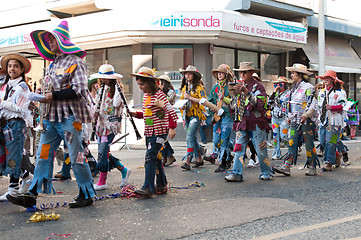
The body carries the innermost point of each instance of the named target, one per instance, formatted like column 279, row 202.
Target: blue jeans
column 221, row 137
column 13, row 134
column 330, row 138
column 191, row 128
column 69, row 131
column 103, row 151
column 152, row 163
column 258, row 137
column 167, row 150
column 280, row 130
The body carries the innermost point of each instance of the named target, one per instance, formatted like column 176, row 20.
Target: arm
column 19, row 101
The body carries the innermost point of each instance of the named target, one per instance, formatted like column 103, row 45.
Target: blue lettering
column 166, row 22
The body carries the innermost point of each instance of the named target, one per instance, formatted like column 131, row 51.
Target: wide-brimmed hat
column 246, row 66
column 26, row 63
column 255, row 75
column 223, row 68
column 106, row 71
column 298, row 67
column 61, row 33
column 165, row 78
column 331, row 74
column 192, row 69
column 145, row 72
column 282, row 79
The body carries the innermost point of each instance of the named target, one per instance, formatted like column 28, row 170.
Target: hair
column 304, row 77
column 7, row 78
column 337, row 85
column 151, row 83
column 167, row 86
column 197, row 81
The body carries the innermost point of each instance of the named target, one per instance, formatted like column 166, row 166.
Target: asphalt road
column 326, row 206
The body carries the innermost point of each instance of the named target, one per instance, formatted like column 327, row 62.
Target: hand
column 171, row 133
column 240, row 87
column 277, row 89
column 220, row 95
column 328, row 107
column 303, row 119
column 48, row 98
column 186, row 96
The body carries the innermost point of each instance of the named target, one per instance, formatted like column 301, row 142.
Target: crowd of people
column 72, row 108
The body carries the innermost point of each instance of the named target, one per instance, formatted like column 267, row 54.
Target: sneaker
column 170, row 160
column 311, row 171
column 186, row 166
column 161, row 190
column 234, row 178
column 251, row 163
column 11, row 191
column 100, row 187
column 345, row 157
column 327, row 167
column 125, row 180
column 210, row 159
column 270, row 145
column 25, row 183
column 257, row 161
column 275, row 158
column 263, row 177
column 282, row 170
column 144, row 192
column 320, row 154
column 220, row 169
column 81, row 202
column 25, row 201
column 198, row 164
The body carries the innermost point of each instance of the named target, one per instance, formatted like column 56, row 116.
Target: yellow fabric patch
column 267, row 162
column 314, row 150
column 285, row 131
column 276, row 125
column 67, row 161
column 290, row 142
column 147, row 102
column 148, row 112
column 71, row 68
column 308, row 154
column 77, row 126
column 45, row 151
column 304, row 104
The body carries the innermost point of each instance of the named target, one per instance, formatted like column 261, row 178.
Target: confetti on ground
column 42, row 217
column 60, row 235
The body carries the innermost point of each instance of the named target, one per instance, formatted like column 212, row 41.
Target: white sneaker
column 100, row 187
column 25, row 183
column 257, row 161
column 11, row 191
column 125, row 180
column 251, row 163
column 275, row 158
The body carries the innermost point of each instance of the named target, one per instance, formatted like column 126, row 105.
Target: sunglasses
column 278, row 84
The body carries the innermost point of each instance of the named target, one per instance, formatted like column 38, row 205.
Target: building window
column 245, row 56
column 222, row 55
column 270, row 66
column 94, row 59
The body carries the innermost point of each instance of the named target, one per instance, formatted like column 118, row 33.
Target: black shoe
column 210, row 159
column 81, row 202
column 198, row 164
column 144, row 192
column 186, row 166
column 25, row 201
column 345, row 157
column 221, row 168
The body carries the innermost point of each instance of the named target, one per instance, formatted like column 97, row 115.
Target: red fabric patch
column 2, row 158
column 216, row 90
column 237, row 147
column 190, row 150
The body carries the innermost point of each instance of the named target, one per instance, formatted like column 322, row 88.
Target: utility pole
column 321, row 37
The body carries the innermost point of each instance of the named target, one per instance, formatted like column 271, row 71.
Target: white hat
column 106, row 71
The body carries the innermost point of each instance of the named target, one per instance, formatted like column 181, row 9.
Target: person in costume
column 66, row 108
column 353, row 118
column 331, row 101
column 252, row 124
column 193, row 113
column 15, row 116
column 301, row 117
column 108, row 119
column 222, row 127
column 278, row 102
column 166, row 86
column 160, row 121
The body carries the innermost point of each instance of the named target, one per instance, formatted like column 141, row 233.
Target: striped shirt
column 156, row 119
column 68, row 71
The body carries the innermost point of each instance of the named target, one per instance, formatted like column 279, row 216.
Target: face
column 53, row 44
column 189, row 76
column 294, row 76
column 105, row 81
column 327, row 81
column 14, row 69
column 161, row 84
column 245, row 75
column 143, row 86
column 221, row 75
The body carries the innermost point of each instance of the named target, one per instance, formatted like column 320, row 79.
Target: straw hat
column 61, row 33
column 106, row 71
column 145, row 72
column 246, row 66
column 165, row 78
column 282, row 79
column 26, row 63
column 192, row 69
column 298, row 67
column 223, row 68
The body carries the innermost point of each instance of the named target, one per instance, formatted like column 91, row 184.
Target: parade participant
column 222, row 127
column 278, row 102
column 331, row 101
column 193, row 113
column 157, row 127
column 15, row 117
column 353, row 118
column 66, row 80
column 301, row 118
column 166, row 86
column 93, row 86
column 252, row 125
column 108, row 123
